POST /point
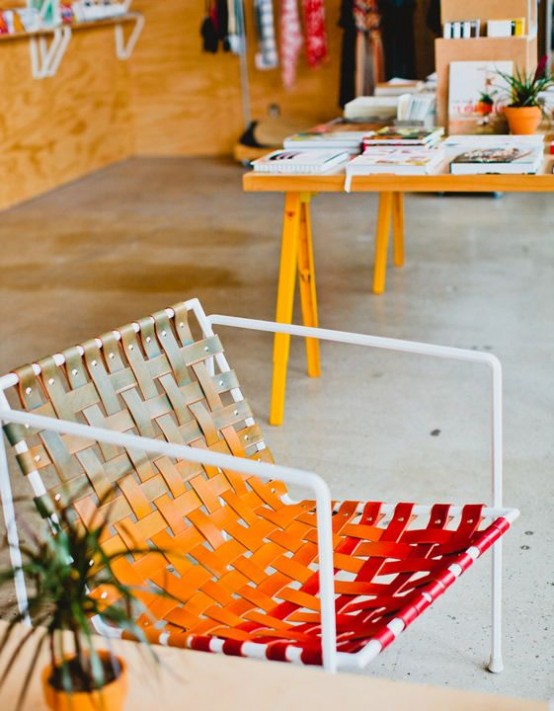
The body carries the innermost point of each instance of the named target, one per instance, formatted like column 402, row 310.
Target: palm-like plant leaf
column 62, row 570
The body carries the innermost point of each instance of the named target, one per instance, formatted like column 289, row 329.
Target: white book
column 307, row 162
column 505, row 160
column 395, row 160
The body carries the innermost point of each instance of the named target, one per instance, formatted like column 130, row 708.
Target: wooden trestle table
column 296, row 243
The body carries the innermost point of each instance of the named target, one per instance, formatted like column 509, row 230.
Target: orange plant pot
column 110, row 698
column 523, row 119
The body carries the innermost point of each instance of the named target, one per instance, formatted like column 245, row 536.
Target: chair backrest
column 152, row 378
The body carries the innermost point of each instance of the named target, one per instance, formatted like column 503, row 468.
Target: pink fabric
column 291, row 41
column 316, row 35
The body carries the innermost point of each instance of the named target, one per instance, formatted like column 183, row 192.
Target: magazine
column 476, row 96
column 294, row 161
column 396, row 160
column 510, row 160
column 404, row 136
column 339, row 133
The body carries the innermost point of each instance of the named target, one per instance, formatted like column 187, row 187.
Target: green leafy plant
column 524, row 88
column 61, row 570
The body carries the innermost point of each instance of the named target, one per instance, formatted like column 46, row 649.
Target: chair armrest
column 263, row 470
column 394, row 344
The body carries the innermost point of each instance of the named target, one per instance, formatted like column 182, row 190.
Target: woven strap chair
column 156, row 416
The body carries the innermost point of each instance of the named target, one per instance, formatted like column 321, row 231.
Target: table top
column 441, row 181
column 199, row 680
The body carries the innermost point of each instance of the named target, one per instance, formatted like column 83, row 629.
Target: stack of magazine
column 505, row 155
column 404, row 136
column 398, row 151
column 339, row 133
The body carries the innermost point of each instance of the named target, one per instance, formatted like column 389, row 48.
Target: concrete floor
column 147, row 233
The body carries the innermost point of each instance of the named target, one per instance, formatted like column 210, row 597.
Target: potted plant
column 524, row 111
column 60, row 570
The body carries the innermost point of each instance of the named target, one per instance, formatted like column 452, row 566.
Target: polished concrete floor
column 147, row 233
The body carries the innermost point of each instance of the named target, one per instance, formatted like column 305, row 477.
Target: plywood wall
column 189, row 102
column 58, row 129
column 169, row 99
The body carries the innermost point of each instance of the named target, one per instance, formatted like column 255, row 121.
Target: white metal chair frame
column 332, row 660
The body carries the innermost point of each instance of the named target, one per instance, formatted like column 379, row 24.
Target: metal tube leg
column 285, row 302
column 496, row 664
column 382, row 242
column 306, row 274
column 398, row 229
column 11, row 530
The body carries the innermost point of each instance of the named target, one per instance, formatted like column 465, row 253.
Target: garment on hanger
column 397, row 22
column 291, row 41
column 314, row 28
column 369, row 47
column 266, row 56
column 214, row 28
column 433, row 17
column 347, row 85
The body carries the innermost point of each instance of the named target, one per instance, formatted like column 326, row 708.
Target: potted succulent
column 60, row 570
column 524, row 111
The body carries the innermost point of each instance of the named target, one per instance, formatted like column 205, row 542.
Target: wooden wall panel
column 188, row 102
column 58, row 129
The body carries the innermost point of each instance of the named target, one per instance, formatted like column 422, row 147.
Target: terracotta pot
column 523, row 119
column 110, row 698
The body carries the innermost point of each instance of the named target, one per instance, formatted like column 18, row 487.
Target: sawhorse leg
column 296, row 253
column 391, row 211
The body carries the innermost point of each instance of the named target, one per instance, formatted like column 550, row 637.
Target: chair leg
column 382, row 241
column 11, row 530
column 398, row 229
column 496, row 664
column 306, row 274
column 285, row 302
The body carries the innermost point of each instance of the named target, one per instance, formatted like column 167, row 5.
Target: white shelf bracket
column 46, row 57
column 124, row 49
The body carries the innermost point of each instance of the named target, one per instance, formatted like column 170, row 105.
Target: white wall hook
column 46, row 57
column 124, row 49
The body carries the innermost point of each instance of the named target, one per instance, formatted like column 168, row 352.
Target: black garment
column 347, row 89
column 433, row 18
column 397, row 26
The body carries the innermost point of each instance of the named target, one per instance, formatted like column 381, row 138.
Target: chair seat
column 391, row 563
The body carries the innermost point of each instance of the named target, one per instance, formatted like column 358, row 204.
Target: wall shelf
column 48, row 45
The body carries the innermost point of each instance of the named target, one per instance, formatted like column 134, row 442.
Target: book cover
column 509, row 159
column 338, row 133
column 476, row 96
column 393, row 135
column 396, row 160
column 294, row 161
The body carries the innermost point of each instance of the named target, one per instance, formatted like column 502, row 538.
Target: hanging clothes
column 291, row 41
column 369, row 47
column 214, row 28
column 347, row 83
column 314, row 28
column 398, row 37
column 266, row 56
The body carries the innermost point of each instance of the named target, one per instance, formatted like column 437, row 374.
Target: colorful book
column 505, row 160
column 476, row 94
column 396, row 160
column 302, row 162
column 398, row 136
column 339, row 133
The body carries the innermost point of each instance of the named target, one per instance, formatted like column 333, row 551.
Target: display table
column 296, row 244
column 199, row 680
